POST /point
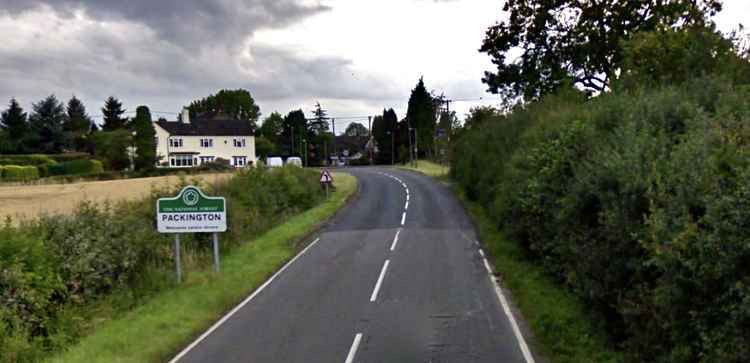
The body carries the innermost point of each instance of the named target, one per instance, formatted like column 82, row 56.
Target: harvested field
column 28, row 201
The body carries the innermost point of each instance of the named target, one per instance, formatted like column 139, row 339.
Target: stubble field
column 28, row 201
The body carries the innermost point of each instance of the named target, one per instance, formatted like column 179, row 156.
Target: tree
column 578, row 42
column 356, row 129
column 294, row 130
column 112, row 112
column 480, row 115
column 145, row 144
column 421, row 116
column 46, row 124
column 320, row 123
column 15, row 127
column 112, row 148
column 264, row 147
column 77, row 123
column 237, row 104
column 272, row 127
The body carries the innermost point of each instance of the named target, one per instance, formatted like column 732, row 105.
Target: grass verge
column 564, row 330
column 428, row 168
column 156, row 330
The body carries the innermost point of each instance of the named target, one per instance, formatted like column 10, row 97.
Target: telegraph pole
column 333, row 124
column 372, row 144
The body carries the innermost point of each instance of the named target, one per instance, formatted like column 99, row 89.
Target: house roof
column 207, row 127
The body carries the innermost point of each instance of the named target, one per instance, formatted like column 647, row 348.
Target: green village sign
column 191, row 211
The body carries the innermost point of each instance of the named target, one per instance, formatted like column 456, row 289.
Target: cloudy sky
column 353, row 56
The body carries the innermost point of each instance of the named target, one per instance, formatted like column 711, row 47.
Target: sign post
column 325, row 179
column 191, row 211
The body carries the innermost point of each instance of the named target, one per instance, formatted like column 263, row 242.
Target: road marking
column 380, row 281
column 242, row 304
column 395, row 240
column 506, row 308
column 353, row 349
column 403, row 218
column 406, row 206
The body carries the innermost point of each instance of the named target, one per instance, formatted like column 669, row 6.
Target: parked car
column 293, row 160
column 274, row 162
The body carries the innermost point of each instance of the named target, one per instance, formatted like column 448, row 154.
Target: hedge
column 76, row 167
column 637, row 201
column 26, row 160
column 18, row 173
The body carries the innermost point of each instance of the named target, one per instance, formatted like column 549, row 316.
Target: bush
column 76, row 167
column 58, row 264
column 14, row 173
column 636, row 201
column 26, row 160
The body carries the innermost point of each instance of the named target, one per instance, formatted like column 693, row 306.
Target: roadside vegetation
column 633, row 201
column 428, row 168
column 68, row 277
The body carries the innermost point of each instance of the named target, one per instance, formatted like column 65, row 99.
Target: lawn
column 158, row 329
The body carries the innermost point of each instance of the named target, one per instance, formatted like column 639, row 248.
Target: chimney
column 185, row 116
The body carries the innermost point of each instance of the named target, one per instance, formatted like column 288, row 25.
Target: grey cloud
column 187, row 23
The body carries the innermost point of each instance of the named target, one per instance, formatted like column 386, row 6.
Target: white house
column 189, row 143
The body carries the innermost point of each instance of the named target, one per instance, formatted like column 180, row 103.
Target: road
column 397, row 276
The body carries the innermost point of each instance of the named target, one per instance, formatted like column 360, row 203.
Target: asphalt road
column 361, row 294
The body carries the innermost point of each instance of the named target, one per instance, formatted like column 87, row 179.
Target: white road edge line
column 240, row 306
column 353, row 349
column 380, row 281
column 403, row 218
column 395, row 240
column 506, row 308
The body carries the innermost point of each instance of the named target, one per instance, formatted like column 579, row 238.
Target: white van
column 274, row 162
column 293, row 160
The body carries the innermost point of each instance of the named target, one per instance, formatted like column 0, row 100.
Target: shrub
column 25, row 160
column 637, row 202
column 19, row 173
column 76, row 167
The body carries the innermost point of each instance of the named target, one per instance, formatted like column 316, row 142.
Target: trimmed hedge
column 18, row 173
column 76, row 167
column 26, row 160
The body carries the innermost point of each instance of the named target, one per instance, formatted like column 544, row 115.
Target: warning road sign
column 325, row 176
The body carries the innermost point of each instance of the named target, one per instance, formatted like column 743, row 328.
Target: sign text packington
column 191, row 211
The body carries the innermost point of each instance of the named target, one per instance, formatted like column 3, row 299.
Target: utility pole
column 372, row 144
column 333, row 124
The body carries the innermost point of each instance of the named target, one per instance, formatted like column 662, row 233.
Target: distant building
column 188, row 143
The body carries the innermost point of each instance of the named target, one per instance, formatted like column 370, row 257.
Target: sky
column 355, row 57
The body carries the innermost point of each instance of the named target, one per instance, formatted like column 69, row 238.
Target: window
column 207, row 142
column 239, row 142
column 207, row 159
column 175, row 142
column 182, row 160
column 239, row 161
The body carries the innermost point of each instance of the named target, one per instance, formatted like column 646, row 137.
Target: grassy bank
column 428, row 168
column 159, row 328
column 564, row 330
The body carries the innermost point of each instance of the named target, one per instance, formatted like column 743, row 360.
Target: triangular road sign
column 325, row 176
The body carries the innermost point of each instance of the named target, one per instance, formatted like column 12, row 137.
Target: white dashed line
column 406, row 206
column 380, row 281
column 353, row 349
column 395, row 240
column 403, row 218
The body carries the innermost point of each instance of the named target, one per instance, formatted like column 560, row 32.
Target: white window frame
column 175, row 142
column 239, row 142
column 207, row 143
column 239, row 161
column 207, row 159
column 182, row 160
